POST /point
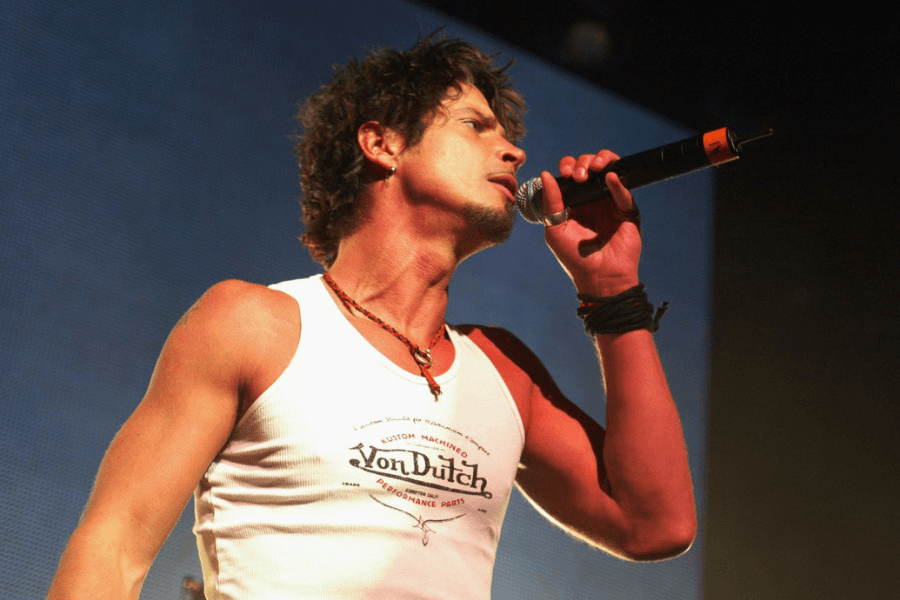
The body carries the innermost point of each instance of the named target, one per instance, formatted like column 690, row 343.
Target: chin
column 492, row 226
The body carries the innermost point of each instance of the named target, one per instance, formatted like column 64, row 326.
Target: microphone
column 637, row 170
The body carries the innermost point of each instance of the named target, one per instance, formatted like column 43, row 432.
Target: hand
column 597, row 246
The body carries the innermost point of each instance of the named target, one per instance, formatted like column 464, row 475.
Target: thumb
column 551, row 195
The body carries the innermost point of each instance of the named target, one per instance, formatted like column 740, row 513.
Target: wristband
column 628, row 311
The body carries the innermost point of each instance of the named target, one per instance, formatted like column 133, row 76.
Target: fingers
column 626, row 209
column 567, row 166
column 580, row 169
column 622, row 197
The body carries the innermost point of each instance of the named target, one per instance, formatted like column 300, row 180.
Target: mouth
column 508, row 182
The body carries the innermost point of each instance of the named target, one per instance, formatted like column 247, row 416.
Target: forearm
column 644, row 452
column 94, row 566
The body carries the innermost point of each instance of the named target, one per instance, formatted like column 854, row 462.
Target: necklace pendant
column 423, row 357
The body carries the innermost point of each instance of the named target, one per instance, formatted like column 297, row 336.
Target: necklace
column 422, row 357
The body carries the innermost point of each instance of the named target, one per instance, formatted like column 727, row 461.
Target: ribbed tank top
column 346, row 479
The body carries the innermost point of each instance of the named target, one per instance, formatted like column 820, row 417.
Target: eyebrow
column 489, row 120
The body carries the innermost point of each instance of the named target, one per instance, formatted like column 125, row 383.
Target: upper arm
column 561, row 470
column 626, row 489
column 186, row 416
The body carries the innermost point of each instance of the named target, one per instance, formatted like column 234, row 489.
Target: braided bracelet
column 621, row 313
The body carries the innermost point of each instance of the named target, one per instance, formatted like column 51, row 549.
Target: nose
column 513, row 154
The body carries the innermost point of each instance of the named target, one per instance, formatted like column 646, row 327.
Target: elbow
column 678, row 540
column 662, row 541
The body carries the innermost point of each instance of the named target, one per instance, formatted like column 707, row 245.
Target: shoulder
column 233, row 306
column 233, row 298
column 522, row 371
column 233, row 319
column 238, row 334
column 501, row 346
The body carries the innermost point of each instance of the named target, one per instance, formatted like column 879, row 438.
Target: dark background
column 803, row 456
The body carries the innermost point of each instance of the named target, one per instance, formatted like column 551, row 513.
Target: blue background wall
column 146, row 155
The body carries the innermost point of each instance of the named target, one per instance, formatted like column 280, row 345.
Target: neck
column 399, row 260
column 405, row 285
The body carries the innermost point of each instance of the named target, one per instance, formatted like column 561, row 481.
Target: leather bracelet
column 628, row 311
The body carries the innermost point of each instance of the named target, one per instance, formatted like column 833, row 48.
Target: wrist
column 606, row 288
column 627, row 311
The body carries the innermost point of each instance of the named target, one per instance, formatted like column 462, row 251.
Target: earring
column 392, row 171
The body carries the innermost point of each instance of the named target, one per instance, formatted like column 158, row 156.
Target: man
column 342, row 441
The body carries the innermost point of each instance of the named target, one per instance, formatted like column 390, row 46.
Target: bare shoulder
column 503, row 348
column 236, row 315
column 220, row 352
column 250, row 330
column 236, row 304
column 522, row 371
column 508, row 353
column 543, row 406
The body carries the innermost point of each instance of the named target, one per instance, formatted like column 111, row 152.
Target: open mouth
column 507, row 182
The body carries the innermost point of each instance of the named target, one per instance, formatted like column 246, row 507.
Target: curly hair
column 401, row 90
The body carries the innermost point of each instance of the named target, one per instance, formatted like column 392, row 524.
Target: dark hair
column 401, row 90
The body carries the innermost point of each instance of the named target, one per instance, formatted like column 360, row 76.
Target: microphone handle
column 655, row 165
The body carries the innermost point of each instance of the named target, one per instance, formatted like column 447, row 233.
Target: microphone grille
column 529, row 200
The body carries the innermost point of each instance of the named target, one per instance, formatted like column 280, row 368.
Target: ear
column 379, row 144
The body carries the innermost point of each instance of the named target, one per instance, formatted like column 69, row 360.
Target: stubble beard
column 490, row 224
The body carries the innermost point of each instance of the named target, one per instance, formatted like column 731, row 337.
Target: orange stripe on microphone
column 717, row 148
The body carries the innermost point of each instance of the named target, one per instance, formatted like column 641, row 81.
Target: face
column 464, row 168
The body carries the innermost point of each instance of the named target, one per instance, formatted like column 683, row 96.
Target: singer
column 341, row 440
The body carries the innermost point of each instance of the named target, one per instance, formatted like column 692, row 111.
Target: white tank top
column 346, row 479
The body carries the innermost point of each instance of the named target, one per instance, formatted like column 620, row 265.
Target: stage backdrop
column 146, row 155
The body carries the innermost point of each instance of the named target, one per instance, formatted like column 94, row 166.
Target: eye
column 473, row 123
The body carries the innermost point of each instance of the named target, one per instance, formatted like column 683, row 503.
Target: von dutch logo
column 441, row 473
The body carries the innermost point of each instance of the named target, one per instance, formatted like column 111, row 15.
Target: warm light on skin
column 462, row 148
column 463, row 167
